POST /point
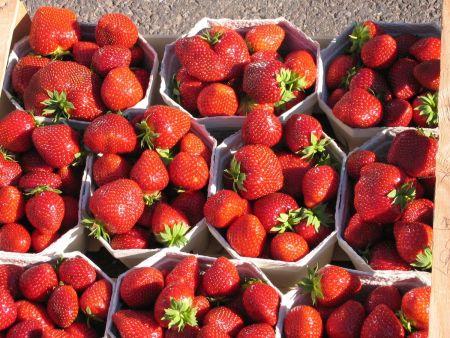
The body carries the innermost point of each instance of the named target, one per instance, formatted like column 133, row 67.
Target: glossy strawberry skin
column 225, row 319
column 360, row 234
column 224, row 207
column 164, row 215
column 397, row 113
column 121, row 89
column 357, row 160
column 15, row 131
column 338, row 69
column 385, row 294
column 186, row 271
column 188, row 90
column 335, row 96
column 346, row 320
column 319, row 185
column 108, row 168
column 140, row 287
column 415, row 306
column 11, row 204
column 108, row 57
column 83, row 51
column 299, row 129
column 261, row 330
column 8, row 311
column 10, row 171
column 32, row 161
column 77, row 272
column 419, row 210
column 428, row 74
column 150, row 172
column 45, row 211
column 33, row 311
column 116, row 29
column 221, row 279
column 191, row 203
column 217, row 99
column 401, row 79
column 14, row 238
column 379, row 52
column 369, row 79
column 268, row 37
column 303, row 64
column 426, row 49
column 9, row 279
column 384, row 256
column 62, row 306
column 247, row 236
column 34, row 179
column 303, row 319
column 261, row 127
column 136, row 238
column 37, row 282
column 294, row 169
column 382, row 322
column 189, row 172
column 261, row 303
column 24, row 70
column 131, row 323
column 411, row 239
column 269, row 208
column 209, row 331
column 97, row 297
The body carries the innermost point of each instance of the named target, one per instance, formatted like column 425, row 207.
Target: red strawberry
column 186, row 90
column 169, row 225
column 338, row 69
column 360, row 234
column 404, row 41
column 388, row 295
column 24, row 70
column 37, row 282
column 274, row 211
column 382, row 322
column 9, row 278
column 427, row 74
column 70, row 179
column 143, row 77
column 15, row 131
column 189, row 172
column 221, row 279
column 303, row 321
column 335, row 96
column 362, row 33
column 187, row 271
column 53, row 31
column 62, row 306
column 426, row 49
column 225, row 207
column 225, row 319
column 247, row 105
column 419, row 210
column 11, row 204
column 136, row 238
column 10, row 170
column 261, row 303
column 372, row 81
column 77, row 272
column 302, row 133
column 15, row 238
column 217, row 99
column 304, row 65
column 415, row 307
column 70, row 213
column 294, row 168
column 34, row 179
column 256, row 330
column 319, row 185
column 358, row 109
column 265, row 55
column 33, row 311
column 346, row 320
column 413, row 241
column 379, row 52
column 163, row 126
column 191, row 203
column 212, row 331
column 32, row 161
column 384, row 256
column 255, row 171
column 41, row 241
column 131, row 323
column 94, row 301
column 313, row 224
column 261, row 127
column 419, row 334
column 141, row 286
column 83, row 51
column 81, row 330
column 121, row 89
column 116, row 29
column 401, row 79
column 27, row 328
column 425, row 113
column 201, row 303
column 108, row 168
column 108, row 57
column 8, row 310
column 357, row 160
column 45, row 210
column 268, row 37
column 397, row 113
column 247, row 236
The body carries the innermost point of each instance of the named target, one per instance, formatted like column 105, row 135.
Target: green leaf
column 287, row 221
column 406, row 323
column 424, row 260
column 180, row 313
column 150, row 199
column 234, row 173
column 312, row 284
column 146, row 135
column 174, row 236
column 429, row 108
column 359, row 36
column 317, row 217
column 57, row 105
column 97, row 229
column 403, row 195
column 316, row 149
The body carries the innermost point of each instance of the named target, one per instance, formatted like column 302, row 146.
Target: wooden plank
column 440, row 291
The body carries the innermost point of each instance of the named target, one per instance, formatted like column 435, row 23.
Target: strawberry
column 358, row 109
column 346, row 320
column 224, row 208
column 293, row 168
column 32, row 161
column 94, row 301
column 37, row 282
column 302, row 134
column 110, row 134
column 15, row 131
column 27, row 328
column 8, row 310
column 248, row 105
column 319, row 185
column 362, row 33
column 71, row 177
column 9, row 278
column 255, row 171
column 189, row 172
column 419, row 334
column 379, row 52
column 212, row 331
column 121, row 89
column 76, row 272
column 338, row 69
column 146, row 217
column 299, row 96
column 221, row 279
column 261, row 303
column 191, row 203
column 53, row 31
column 203, row 306
column 426, row 49
column 141, row 286
column 33, row 311
column 217, row 99
column 41, row 241
column 225, row 319
column 413, row 241
column 186, row 90
column 34, row 179
column 81, row 330
column 62, row 306
column 335, row 96
column 425, row 113
column 14, row 238
column 427, row 74
column 116, row 29
column 247, row 236
column 136, row 238
column 419, row 210
column 388, row 295
column 261, row 330
column 261, row 127
column 83, row 52
column 265, row 55
column 404, row 41
column 193, row 144
column 163, row 126
column 131, row 323
column 24, row 70
column 384, row 256
column 414, row 152
column 372, row 81
column 143, row 77
column 357, row 160
column 304, row 65
column 330, row 286
column 10, row 170
column 169, row 225
column 275, row 211
column 11, row 204
column 267, row 37
column 401, row 79
column 187, row 271
column 313, row 224
column 108, row 57
column 397, row 113
column 382, row 322
column 55, row 333
column 415, row 308
column 70, row 213
column 360, row 234
column 150, row 173
column 303, row 321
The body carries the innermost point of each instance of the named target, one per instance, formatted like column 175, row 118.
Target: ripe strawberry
column 23, row 71
column 338, row 69
column 357, row 160
column 163, row 126
column 247, row 236
column 108, row 57
column 261, row 330
column 33, row 311
column 379, row 52
column 275, row 211
column 70, row 213
column 203, row 306
column 191, row 203
column 299, row 96
column 94, row 301
column 303, row 321
column 81, row 330
column 293, row 168
column 225, row 319
column 131, row 323
column 413, row 242
column 425, row 113
column 261, row 127
column 34, row 179
column 83, row 51
column 62, row 306
column 261, row 303
column 76, row 272
column 53, row 31
column 143, row 77
column 10, row 170
column 314, row 225
column 32, row 161
column 9, row 279
column 426, row 49
column 45, row 210
column 401, row 79
column 415, row 307
column 255, row 171
column 304, row 65
column 27, row 328
column 141, row 286
column 388, row 295
column 71, row 177
column 331, row 285
column 360, row 234
column 419, row 334
column 189, row 172
column 194, row 145
column 150, row 173
column 404, row 41
column 217, row 99
column 265, row 55
column 302, row 133
column 37, row 282
column 382, row 322
column 319, row 185
column 346, row 320
column 169, row 225
column 41, row 241
column 335, row 96
column 397, row 113
column 268, row 37
column 187, row 271
column 221, row 279
column 224, row 208
column 121, row 89
column 414, row 152
column 11, row 204
column 427, row 74
column 186, row 90
column 358, row 109
column 384, row 256
column 116, row 29
column 8, row 310
column 372, row 81
column 209, row 331
column 136, row 238
column 14, row 238
column 248, row 105
column 15, row 131
column 419, row 210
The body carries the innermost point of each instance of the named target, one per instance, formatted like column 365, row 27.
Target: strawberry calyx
column 286, row 221
column 59, row 53
column 423, row 259
column 213, row 38
column 359, row 36
column 180, row 313
column 317, row 217
column 146, row 135
column 165, row 154
column 426, row 132
column 41, row 189
column 97, row 229
column 345, row 82
column 289, row 82
column 150, row 199
column 317, row 147
column 403, row 195
column 246, row 105
column 429, row 108
column 8, row 156
column 57, row 105
column 312, row 284
column 406, row 323
column 251, row 281
column 173, row 236
column 234, row 173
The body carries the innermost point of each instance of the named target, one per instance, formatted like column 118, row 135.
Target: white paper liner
column 22, row 48
column 295, row 39
column 353, row 137
column 165, row 259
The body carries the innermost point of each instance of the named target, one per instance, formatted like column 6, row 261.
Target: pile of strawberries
column 67, row 77
column 344, row 307
column 66, row 299
column 149, row 193
column 189, row 301
column 393, row 202
column 284, row 191
column 40, row 181
column 385, row 80
column 225, row 72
